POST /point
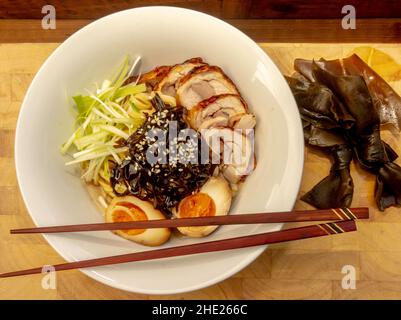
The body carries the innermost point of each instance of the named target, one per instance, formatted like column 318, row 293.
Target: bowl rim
column 250, row 257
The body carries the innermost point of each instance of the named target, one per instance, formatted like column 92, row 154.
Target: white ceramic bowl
column 54, row 195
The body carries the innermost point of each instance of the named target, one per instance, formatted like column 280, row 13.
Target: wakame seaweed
column 358, row 137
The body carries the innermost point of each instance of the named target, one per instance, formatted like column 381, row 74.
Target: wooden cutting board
column 307, row 269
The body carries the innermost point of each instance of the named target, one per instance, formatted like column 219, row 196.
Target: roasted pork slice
column 152, row 77
column 242, row 158
column 202, row 83
column 168, row 85
column 242, row 121
column 225, row 110
column 233, row 151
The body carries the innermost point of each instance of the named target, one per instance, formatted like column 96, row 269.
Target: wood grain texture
column 307, row 269
column 89, row 9
column 322, row 9
column 299, row 9
column 260, row 30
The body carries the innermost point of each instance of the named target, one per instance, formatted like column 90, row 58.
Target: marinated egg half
column 131, row 208
column 213, row 199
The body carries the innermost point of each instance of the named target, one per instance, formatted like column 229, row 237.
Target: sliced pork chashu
column 202, row 83
column 242, row 121
column 241, row 151
column 168, row 85
column 224, row 110
column 152, row 77
column 233, row 150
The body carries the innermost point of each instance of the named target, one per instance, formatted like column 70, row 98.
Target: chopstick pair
column 346, row 225
column 340, row 214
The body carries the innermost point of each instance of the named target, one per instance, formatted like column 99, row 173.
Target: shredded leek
column 105, row 118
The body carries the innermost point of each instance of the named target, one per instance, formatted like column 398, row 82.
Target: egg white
column 219, row 190
column 150, row 237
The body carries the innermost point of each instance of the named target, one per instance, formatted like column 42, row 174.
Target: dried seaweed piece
column 364, row 94
column 386, row 101
column 337, row 189
column 323, row 138
column 365, row 134
column 388, row 182
column 390, row 152
column 304, row 67
column 318, row 105
column 373, row 154
column 381, row 62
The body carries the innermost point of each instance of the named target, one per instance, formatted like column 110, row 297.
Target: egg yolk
column 136, row 214
column 197, row 205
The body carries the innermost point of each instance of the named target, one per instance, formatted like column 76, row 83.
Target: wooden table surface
column 315, row 30
column 307, row 269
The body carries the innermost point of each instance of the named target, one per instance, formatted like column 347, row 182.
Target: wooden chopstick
column 311, row 231
column 277, row 217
